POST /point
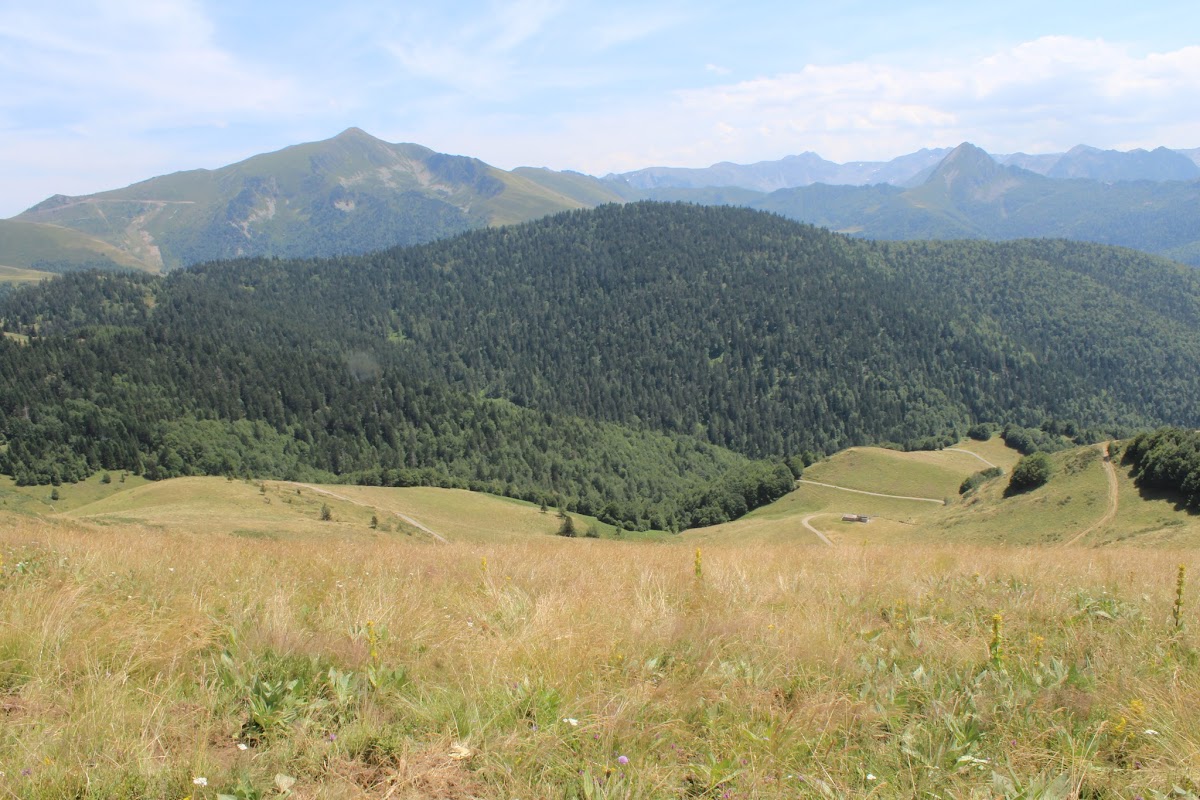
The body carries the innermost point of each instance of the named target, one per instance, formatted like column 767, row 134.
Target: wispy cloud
column 624, row 27
column 1049, row 93
column 1044, row 95
column 480, row 56
column 90, row 87
column 128, row 63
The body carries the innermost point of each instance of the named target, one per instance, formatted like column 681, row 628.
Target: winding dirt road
column 1110, row 472
column 821, row 536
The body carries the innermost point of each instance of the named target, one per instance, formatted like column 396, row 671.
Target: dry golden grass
column 134, row 659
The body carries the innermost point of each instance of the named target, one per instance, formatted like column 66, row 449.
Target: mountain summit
column 349, row 194
column 969, row 175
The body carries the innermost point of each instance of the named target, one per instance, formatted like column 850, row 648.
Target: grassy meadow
column 204, row 637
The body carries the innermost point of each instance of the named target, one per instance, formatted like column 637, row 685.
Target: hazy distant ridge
column 355, row 193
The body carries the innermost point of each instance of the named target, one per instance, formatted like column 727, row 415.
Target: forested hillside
column 597, row 355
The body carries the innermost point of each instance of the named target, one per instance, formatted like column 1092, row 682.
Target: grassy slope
column 166, row 209
column 134, row 659
column 524, row 199
column 583, row 189
column 935, row 474
column 1075, row 499
column 19, row 275
column 24, row 244
column 276, row 510
column 36, row 499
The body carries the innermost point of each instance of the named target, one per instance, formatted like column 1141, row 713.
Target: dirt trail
column 939, row 501
column 821, row 536
column 344, row 499
column 1110, row 472
column 968, row 452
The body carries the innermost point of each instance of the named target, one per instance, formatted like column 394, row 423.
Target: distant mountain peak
column 355, row 133
column 965, row 163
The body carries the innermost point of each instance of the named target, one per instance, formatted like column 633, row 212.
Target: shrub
column 1030, row 472
column 981, row 431
column 977, row 479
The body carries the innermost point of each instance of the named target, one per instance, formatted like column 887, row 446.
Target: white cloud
column 125, row 64
column 1040, row 96
column 479, row 57
column 625, row 27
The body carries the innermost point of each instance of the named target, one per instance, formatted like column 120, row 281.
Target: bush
column 1030, row 472
column 981, row 431
column 979, row 478
column 1032, row 440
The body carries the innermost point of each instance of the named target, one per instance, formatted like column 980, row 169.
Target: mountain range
column 354, row 194
column 971, row 196
column 913, row 169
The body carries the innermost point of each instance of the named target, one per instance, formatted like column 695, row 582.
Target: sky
column 97, row 95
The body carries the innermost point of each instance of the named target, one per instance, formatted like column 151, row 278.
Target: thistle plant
column 1177, row 608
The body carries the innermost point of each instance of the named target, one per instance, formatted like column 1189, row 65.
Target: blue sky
column 100, row 94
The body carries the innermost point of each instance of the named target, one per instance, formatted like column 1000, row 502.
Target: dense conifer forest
column 654, row 364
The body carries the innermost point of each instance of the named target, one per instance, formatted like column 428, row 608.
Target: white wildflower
column 200, row 781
